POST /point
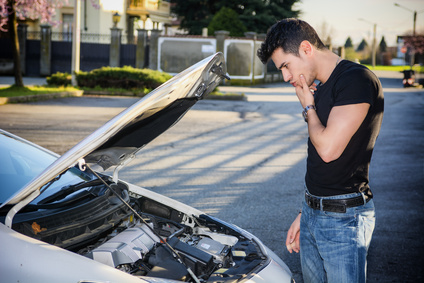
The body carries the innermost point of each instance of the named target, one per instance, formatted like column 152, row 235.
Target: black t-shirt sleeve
column 357, row 86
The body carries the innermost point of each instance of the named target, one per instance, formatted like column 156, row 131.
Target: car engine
column 139, row 248
column 138, row 251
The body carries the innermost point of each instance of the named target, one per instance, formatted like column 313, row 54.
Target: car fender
column 24, row 259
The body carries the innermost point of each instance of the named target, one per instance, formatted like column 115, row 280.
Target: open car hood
column 118, row 141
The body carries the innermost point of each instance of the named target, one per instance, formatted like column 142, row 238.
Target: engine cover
column 125, row 248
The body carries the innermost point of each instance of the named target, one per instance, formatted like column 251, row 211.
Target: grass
column 416, row 68
column 14, row 91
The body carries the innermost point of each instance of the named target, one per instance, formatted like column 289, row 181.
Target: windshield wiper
column 67, row 190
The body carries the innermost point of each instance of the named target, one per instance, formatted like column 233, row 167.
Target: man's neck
column 326, row 62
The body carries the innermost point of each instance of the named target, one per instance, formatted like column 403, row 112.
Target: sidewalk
column 6, row 81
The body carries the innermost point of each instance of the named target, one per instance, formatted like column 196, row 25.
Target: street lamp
column 374, row 42
column 116, row 18
column 415, row 16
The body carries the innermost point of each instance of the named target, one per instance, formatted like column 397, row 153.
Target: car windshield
column 21, row 162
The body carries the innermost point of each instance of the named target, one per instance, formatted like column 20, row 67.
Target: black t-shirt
column 350, row 83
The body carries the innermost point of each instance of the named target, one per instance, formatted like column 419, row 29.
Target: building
column 97, row 17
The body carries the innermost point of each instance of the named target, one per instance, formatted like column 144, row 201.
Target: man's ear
column 306, row 48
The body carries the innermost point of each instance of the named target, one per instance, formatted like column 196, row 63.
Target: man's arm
column 342, row 124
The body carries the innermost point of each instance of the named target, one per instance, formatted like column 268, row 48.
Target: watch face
column 305, row 115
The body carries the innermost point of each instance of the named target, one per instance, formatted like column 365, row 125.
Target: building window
column 67, row 26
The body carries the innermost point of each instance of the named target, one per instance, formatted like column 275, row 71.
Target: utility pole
column 412, row 52
column 414, row 18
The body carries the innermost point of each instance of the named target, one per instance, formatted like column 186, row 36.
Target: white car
column 63, row 221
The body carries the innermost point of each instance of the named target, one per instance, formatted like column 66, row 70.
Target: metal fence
column 84, row 37
column 173, row 54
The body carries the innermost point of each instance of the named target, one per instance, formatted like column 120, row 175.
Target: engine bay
column 168, row 244
column 142, row 237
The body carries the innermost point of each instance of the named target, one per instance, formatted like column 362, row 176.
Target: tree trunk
column 13, row 31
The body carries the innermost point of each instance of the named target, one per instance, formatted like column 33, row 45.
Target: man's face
column 292, row 66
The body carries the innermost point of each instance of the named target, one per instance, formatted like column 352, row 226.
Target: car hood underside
column 118, row 141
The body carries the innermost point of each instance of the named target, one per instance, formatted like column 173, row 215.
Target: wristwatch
column 305, row 111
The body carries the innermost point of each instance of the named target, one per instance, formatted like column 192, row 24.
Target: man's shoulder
column 352, row 68
column 354, row 73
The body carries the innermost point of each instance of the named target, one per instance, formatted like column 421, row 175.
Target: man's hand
column 292, row 241
column 305, row 92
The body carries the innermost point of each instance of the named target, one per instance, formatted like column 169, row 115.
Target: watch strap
column 305, row 111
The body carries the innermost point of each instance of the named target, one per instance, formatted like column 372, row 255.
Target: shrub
column 126, row 77
column 59, row 79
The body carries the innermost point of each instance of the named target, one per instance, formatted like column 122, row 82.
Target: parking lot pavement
column 244, row 161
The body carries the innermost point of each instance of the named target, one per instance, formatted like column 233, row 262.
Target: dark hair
column 288, row 34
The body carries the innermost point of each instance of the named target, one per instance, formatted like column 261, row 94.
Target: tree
column 350, row 53
column 12, row 10
column 383, row 57
column 383, row 45
column 362, row 45
column 348, row 43
column 256, row 15
column 415, row 42
column 325, row 31
column 364, row 52
column 259, row 15
column 194, row 14
column 227, row 19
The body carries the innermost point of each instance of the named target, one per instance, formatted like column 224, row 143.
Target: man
column 343, row 114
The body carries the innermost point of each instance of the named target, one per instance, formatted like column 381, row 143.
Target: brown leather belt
column 334, row 205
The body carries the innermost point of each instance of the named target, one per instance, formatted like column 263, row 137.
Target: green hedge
column 59, row 79
column 123, row 81
column 126, row 77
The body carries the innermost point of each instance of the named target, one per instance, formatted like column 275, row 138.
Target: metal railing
column 85, row 37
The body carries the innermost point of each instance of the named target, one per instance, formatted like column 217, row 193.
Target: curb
column 38, row 97
column 79, row 93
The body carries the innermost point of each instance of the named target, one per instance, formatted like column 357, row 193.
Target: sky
column 342, row 18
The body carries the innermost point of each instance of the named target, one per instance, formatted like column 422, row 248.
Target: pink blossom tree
column 12, row 10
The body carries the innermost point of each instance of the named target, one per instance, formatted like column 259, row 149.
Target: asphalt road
column 244, row 162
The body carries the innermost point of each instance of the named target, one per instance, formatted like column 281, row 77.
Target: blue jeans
column 334, row 246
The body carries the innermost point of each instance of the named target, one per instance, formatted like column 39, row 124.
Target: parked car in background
column 62, row 220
